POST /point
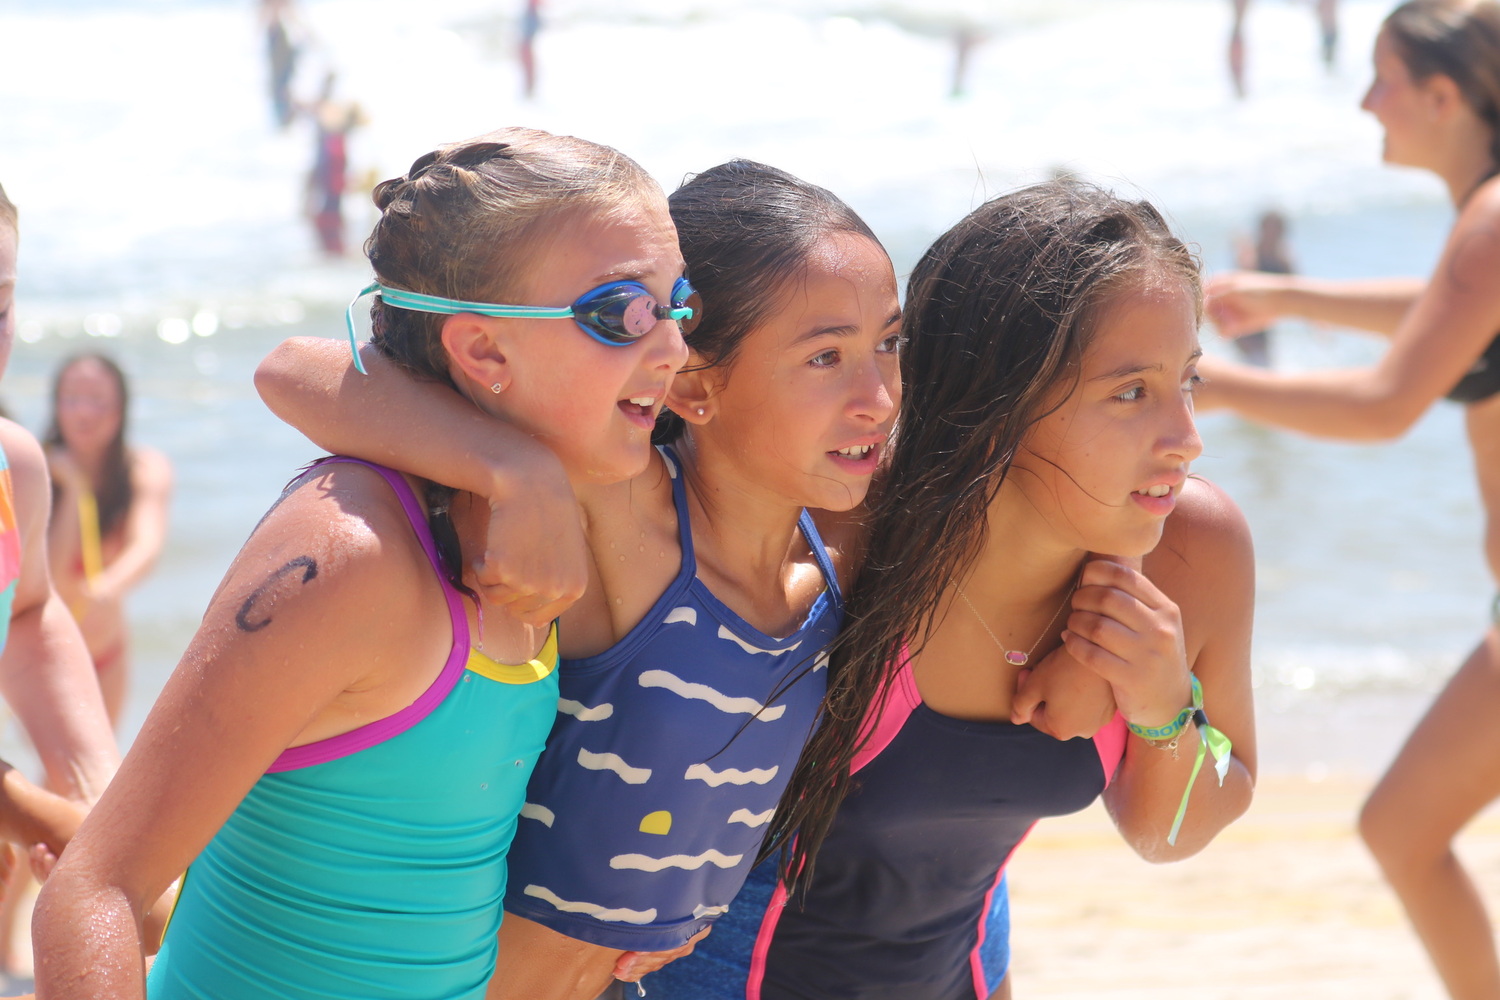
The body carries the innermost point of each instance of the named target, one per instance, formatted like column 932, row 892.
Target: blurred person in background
column 109, row 511
column 1436, row 94
column 1268, row 254
column 281, row 57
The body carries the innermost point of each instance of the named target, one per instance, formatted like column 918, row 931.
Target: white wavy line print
column 731, row 775
column 718, row 699
column 619, row 916
column 724, row 633
column 692, row 862
column 671, row 465
column 546, row 816
column 582, row 712
column 744, row 816
column 820, row 662
column 689, row 615
column 700, row 911
column 612, row 762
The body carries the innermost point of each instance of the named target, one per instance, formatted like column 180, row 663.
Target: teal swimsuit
column 372, row 865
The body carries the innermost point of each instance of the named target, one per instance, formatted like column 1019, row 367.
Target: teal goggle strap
column 417, row 302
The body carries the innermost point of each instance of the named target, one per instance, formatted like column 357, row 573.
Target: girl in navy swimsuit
column 1436, row 93
column 1047, row 419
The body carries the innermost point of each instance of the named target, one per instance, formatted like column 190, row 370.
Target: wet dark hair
column 1461, row 40
column 998, row 314
column 746, row 231
column 465, row 223
column 116, row 493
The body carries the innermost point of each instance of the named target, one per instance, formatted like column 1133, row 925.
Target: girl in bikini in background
column 109, row 511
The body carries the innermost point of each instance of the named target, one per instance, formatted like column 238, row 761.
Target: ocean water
column 161, row 220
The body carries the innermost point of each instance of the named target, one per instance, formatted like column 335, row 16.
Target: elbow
column 1390, row 409
column 1206, row 817
column 1387, row 423
column 281, row 372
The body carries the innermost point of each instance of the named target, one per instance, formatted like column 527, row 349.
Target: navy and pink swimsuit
column 906, row 882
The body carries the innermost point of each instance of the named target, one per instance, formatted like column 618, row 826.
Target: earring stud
column 497, row 388
column 700, row 411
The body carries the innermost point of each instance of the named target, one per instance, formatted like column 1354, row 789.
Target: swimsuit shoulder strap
column 680, row 502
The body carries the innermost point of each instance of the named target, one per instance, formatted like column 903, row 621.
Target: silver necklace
column 1016, row 657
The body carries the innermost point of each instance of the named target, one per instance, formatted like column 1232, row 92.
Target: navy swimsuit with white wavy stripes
column 668, row 756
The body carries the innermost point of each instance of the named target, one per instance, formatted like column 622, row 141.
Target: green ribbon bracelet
column 1210, row 740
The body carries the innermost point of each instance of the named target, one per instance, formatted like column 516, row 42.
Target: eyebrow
column 846, row 330
column 1125, row 371
column 635, row 270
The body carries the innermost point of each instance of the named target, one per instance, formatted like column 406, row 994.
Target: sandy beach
column 1285, row 903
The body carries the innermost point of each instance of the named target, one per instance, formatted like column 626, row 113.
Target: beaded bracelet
column 1211, row 740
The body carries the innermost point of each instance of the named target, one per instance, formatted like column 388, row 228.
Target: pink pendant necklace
column 1017, row 657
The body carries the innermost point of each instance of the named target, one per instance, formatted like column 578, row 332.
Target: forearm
column 48, row 680
column 1353, row 405
column 87, row 942
column 31, row 815
column 1377, row 305
column 1147, row 792
column 128, row 569
column 419, row 427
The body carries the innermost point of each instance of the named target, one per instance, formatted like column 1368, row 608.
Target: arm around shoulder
column 535, row 561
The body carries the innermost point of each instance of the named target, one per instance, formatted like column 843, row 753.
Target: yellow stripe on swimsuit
column 535, row 669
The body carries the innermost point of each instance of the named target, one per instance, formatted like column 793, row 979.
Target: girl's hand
column 536, row 559
column 66, row 472
column 1062, row 697
column 1241, row 302
column 633, row 965
column 1130, row 633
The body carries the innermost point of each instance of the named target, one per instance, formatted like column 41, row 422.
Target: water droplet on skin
column 622, row 557
column 619, row 600
column 640, row 548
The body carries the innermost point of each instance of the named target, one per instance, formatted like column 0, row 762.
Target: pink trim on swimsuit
column 368, row 735
column 1110, row 742
column 982, row 987
column 888, row 714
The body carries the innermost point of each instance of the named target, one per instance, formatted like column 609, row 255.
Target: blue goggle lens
column 624, row 312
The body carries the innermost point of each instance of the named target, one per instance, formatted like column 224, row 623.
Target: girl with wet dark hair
column 1436, row 93
column 1036, row 515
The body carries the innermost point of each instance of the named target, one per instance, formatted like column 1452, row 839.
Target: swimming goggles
column 617, row 314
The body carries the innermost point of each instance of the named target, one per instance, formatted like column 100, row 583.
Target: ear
column 1443, row 95
column 694, row 395
column 476, row 350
